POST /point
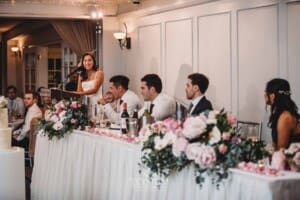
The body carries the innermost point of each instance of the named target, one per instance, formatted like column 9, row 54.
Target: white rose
column 170, row 137
column 62, row 114
column 159, row 143
column 214, row 136
column 144, row 133
column 296, row 159
column 58, row 126
column 294, row 147
column 193, row 127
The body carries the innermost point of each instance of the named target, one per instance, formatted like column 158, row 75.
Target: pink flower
column 74, row 104
column 73, row 121
column 226, row 136
column 156, row 127
column 206, row 156
column 231, row 119
column 192, row 150
column 171, row 124
column 223, row 148
column 278, row 160
column 179, row 146
column 54, row 118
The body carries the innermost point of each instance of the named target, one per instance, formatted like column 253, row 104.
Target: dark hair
column 35, row 95
column 40, row 89
column 201, row 80
column 282, row 101
column 153, row 80
column 83, row 73
column 120, row 80
column 11, row 87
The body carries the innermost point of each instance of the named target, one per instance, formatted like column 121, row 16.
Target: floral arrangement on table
column 3, row 102
column 63, row 118
column 210, row 142
column 287, row 159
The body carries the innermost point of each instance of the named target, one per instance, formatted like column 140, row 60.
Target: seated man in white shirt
column 15, row 104
column 160, row 105
column 119, row 88
column 20, row 136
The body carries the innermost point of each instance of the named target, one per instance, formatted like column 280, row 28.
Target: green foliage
column 63, row 118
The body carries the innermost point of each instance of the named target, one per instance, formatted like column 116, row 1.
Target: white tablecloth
column 85, row 166
column 12, row 174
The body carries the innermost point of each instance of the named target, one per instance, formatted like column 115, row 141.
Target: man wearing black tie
column 160, row 105
column 195, row 89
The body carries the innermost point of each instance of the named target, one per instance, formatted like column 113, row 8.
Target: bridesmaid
column 284, row 117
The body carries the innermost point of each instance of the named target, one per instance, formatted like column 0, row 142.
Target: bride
column 90, row 79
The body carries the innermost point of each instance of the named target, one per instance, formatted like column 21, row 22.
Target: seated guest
column 284, row 117
column 20, row 136
column 119, row 88
column 161, row 105
column 15, row 104
column 115, row 104
column 45, row 95
column 195, row 89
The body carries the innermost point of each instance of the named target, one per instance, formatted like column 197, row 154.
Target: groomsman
column 195, row 89
column 159, row 104
column 119, row 88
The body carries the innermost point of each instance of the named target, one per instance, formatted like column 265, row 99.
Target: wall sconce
column 124, row 41
column 14, row 49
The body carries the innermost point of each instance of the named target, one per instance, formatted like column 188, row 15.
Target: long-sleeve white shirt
column 164, row 106
column 132, row 101
column 33, row 112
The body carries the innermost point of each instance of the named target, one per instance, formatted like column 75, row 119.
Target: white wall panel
column 294, row 49
column 257, row 59
column 178, row 56
column 214, row 57
column 149, row 53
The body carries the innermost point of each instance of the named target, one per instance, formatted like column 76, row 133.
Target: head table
column 89, row 166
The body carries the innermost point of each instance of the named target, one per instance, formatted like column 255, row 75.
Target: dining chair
column 248, row 129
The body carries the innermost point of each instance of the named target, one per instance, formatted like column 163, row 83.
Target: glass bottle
column 124, row 119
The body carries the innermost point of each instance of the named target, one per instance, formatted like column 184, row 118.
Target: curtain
column 80, row 36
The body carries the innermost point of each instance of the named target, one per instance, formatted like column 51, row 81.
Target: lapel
column 200, row 106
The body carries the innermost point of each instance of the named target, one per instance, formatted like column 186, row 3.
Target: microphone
column 78, row 70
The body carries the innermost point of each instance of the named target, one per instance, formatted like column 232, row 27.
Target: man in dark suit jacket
column 195, row 89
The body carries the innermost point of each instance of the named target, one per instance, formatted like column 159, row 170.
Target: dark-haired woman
column 90, row 80
column 284, row 117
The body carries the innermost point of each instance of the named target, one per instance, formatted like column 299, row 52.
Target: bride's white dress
column 93, row 98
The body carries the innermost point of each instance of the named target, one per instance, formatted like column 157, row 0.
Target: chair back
column 32, row 135
column 249, row 129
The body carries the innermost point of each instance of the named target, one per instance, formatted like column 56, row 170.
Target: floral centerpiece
column 287, row 159
column 3, row 102
column 63, row 118
column 292, row 155
column 209, row 142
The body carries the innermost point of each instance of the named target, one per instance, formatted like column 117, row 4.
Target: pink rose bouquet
column 63, row 118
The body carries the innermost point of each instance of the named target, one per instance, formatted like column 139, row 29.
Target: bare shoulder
column 287, row 119
column 99, row 72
